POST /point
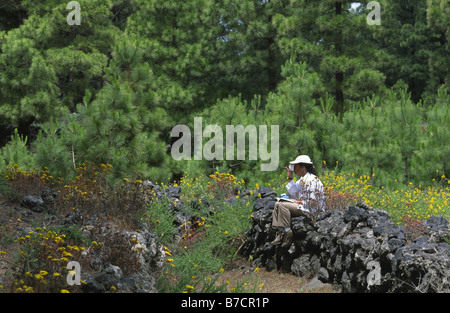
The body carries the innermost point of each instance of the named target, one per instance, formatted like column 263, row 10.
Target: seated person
column 307, row 193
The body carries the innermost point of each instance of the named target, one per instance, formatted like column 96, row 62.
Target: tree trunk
column 271, row 67
column 339, row 76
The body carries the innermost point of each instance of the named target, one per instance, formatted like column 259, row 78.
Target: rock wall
column 359, row 249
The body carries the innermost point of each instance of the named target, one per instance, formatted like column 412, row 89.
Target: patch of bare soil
column 261, row 280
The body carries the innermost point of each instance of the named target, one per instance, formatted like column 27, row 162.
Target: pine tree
column 438, row 21
column 119, row 126
column 408, row 42
column 404, row 117
column 338, row 44
column 369, row 149
column 46, row 64
column 179, row 40
column 56, row 147
column 16, row 152
column 434, row 155
column 26, row 77
column 122, row 123
column 231, row 111
column 255, row 60
column 328, row 131
column 293, row 107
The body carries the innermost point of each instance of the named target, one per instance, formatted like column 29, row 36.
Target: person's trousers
column 284, row 211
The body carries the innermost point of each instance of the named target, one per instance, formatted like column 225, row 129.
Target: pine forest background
column 370, row 99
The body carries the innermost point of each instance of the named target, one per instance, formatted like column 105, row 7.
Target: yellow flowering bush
column 193, row 188
column 25, row 182
column 42, row 259
column 222, row 185
column 414, row 202
column 87, row 194
column 90, row 194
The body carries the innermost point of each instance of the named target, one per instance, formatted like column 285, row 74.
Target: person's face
column 299, row 170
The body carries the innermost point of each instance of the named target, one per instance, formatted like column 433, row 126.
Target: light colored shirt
column 307, row 188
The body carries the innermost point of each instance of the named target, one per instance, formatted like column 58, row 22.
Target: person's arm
column 290, row 174
column 292, row 187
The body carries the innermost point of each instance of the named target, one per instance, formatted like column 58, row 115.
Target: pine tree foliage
column 55, row 147
column 295, row 102
column 179, row 43
column 338, row 44
column 329, row 130
column 438, row 21
column 371, row 98
column 115, row 120
column 16, row 152
column 26, row 78
column 404, row 118
column 252, row 36
column 435, row 147
column 46, row 64
column 368, row 146
column 407, row 39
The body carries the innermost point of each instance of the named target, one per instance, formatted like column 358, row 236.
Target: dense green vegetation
column 369, row 99
column 370, row 104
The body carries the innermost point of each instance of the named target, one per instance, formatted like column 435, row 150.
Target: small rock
column 323, row 275
column 49, row 195
column 267, row 192
column 315, row 283
column 30, row 202
column 26, row 213
column 173, row 192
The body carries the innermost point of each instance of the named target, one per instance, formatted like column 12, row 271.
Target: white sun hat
column 302, row 159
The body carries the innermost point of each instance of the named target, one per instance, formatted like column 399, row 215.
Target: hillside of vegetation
column 89, row 111
column 187, row 235
column 374, row 98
